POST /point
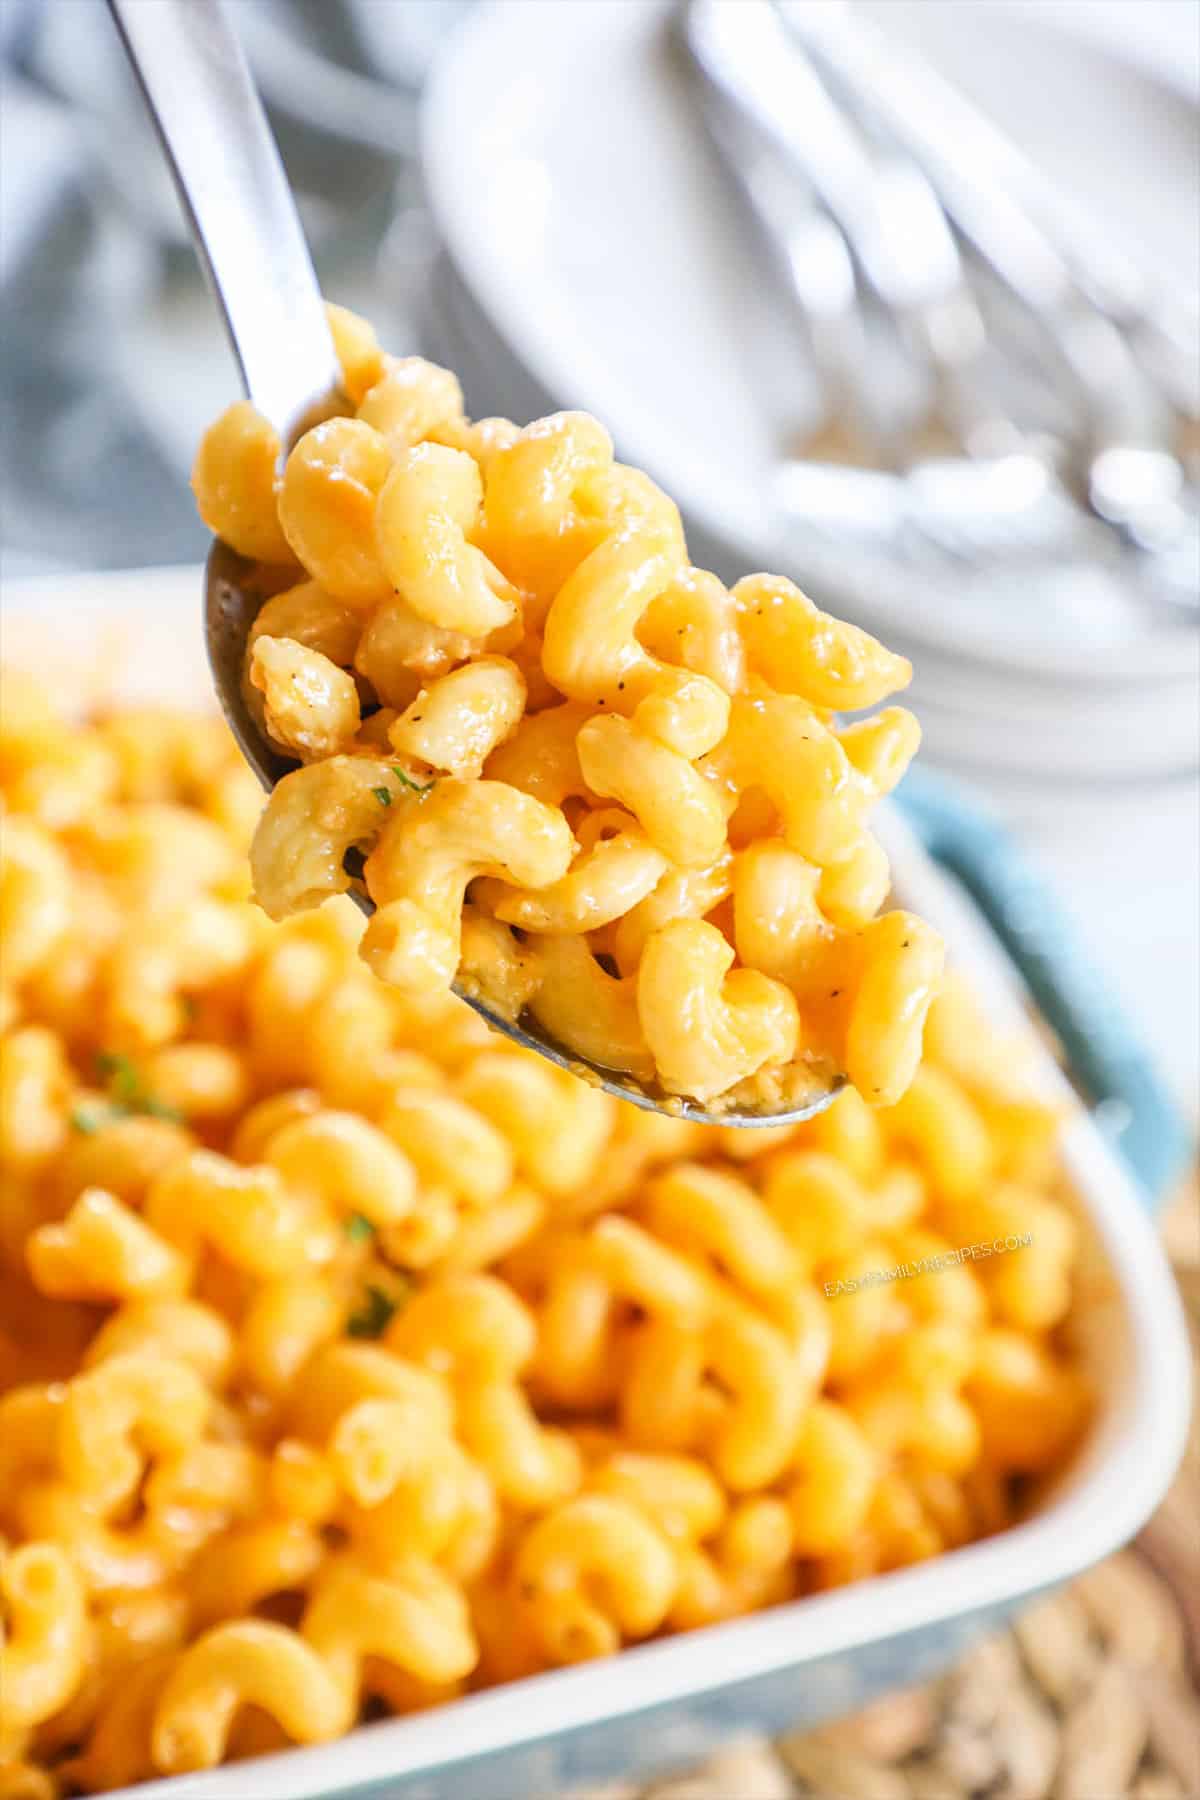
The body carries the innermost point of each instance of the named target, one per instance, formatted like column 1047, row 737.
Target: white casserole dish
column 138, row 636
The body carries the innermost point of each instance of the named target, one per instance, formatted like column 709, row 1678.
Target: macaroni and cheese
column 582, row 779
column 352, row 1358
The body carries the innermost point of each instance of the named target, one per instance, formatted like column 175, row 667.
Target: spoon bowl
column 234, row 591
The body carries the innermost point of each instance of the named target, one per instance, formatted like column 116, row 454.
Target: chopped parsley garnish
column 127, row 1095
column 358, row 1229
column 407, row 781
column 385, row 796
column 154, row 1108
column 89, row 1119
column 121, row 1074
column 370, row 1319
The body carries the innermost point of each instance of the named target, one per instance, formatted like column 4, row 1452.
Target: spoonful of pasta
column 563, row 772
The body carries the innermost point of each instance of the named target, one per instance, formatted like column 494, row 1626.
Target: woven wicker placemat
column 1093, row 1694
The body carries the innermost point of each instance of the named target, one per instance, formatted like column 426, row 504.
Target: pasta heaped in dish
column 352, row 1358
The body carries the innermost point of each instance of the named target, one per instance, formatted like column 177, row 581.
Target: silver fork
column 1123, row 361
column 766, row 106
column 1089, row 487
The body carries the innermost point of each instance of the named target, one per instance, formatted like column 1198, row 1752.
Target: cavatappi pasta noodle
column 588, row 781
column 352, row 1358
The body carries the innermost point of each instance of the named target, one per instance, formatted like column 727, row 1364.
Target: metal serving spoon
column 250, row 242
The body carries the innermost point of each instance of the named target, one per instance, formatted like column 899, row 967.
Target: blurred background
column 897, row 298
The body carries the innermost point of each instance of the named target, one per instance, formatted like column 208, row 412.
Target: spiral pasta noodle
column 508, row 690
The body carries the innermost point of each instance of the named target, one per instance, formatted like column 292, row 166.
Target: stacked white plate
column 590, row 258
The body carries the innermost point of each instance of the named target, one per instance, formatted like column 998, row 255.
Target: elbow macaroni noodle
column 351, row 1358
column 509, row 691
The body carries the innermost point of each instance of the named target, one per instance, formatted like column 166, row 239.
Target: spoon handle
column 239, row 207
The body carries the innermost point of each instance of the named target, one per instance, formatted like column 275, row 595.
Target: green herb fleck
column 157, row 1109
column 407, row 781
column 383, row 795
column 370, row 1320
column 358, row 1229
column 127, row 1091
column 87, row 1120
column 121, row 1074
